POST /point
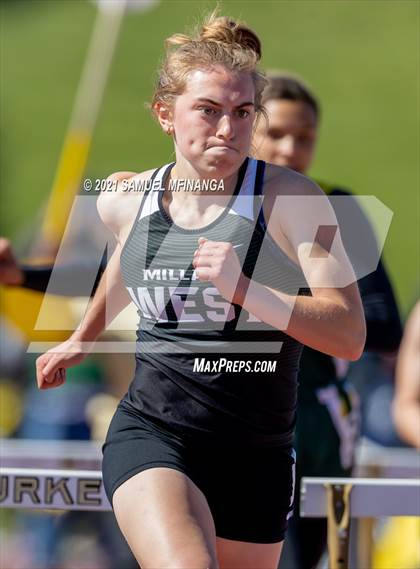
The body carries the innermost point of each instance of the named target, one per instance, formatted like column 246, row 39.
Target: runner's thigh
column 166, row 520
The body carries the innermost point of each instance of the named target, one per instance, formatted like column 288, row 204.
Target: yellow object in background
column 399, row 545
column 22, row 307
column 11, row 406
column 99, row 411
column 66, row 185
column 78, row 139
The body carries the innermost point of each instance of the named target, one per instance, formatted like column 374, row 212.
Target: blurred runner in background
column 407, row 393
column 397, row 544
column 328, row 415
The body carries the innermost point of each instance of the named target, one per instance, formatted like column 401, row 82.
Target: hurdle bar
column 339, row 499
column 376, row 461
column 45, row 489
column 51, row 454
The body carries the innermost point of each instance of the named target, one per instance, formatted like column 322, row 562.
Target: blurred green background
column 360, row 57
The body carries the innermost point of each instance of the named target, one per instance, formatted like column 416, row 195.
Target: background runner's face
column 212, row 122
column 289, row 139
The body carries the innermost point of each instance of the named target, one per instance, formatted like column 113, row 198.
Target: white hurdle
column 56, row 454
column 340, row 499
column 376, row 461
column 65, row 475
column 49, row 489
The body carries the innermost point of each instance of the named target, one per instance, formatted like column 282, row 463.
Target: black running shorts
column 249, row 489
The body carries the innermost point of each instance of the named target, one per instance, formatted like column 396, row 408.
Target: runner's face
column 213, row 120
column 289, row 139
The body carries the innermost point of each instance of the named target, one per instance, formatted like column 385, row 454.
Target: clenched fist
column 51, row 366
column 217, row 261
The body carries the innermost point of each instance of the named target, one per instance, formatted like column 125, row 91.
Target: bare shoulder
column 295, row 206
column 118, row 205
column 292, row 199
column 279, row 181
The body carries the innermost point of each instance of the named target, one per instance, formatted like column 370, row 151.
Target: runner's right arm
column 110, row 298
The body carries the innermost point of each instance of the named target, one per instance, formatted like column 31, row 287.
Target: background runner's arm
column 383, row 323
column 68, row 279
column 71, row 278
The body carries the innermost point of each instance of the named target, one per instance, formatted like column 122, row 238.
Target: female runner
column 198, row 462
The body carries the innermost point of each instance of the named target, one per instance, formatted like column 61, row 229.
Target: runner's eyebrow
column 215, row 103
column 281, row 129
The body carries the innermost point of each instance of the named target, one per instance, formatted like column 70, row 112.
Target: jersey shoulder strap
column 149, row 186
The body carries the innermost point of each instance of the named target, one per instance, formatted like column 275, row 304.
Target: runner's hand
column 217, row 261
column 51, row 366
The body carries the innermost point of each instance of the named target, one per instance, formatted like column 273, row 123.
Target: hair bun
column 219, row 40
column 227, row 31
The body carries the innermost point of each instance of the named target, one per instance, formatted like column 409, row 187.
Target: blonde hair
column 219, row 41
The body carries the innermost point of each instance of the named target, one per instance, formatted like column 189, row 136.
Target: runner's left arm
column 332, row 319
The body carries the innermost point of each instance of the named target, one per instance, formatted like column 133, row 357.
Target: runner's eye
column 305, row 139
column 275, row 134
column 243, row 114
column 207, row 111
